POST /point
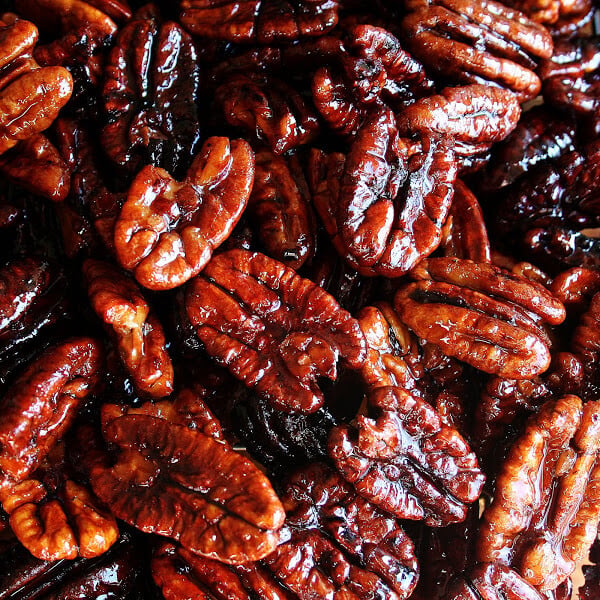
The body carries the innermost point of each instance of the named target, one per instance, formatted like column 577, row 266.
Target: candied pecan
column 36, row 165
column 149, row 94
column 280, row 204
column 394, row 197
column 42, row 403
column 562, row 17
column 272, row 329
column 545, row 512
column 171, row 480
column 482, row 315
column 118, row 301
column 167, row 230
column 261, row 21
column 405, row 460
column 267, row 108
column 464, row 235
column 576, row 287
column 478, row 42
column 585, row 344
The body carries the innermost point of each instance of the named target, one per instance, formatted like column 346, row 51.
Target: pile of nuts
column 300, row 299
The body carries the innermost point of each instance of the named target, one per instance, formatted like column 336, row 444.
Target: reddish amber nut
column 176, row 482
column 260, row 21
column 280, row 204
column 405, row 460
column 482, row 315
column 167, row 230
column 576, row 287
column 42, row 403
column 117, row 300
column 474, row 42
column 276, row 332
column 561, row 17
column 268, row 109
column 546, row 506
column 150, row 89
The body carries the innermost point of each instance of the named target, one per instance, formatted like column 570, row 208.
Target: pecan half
column 272, row 329
column 403, row 459
column 167, row 230
column 176, row 482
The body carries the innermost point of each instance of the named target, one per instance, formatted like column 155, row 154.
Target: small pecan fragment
column 176, row 482
column 269, row 109
column 149, row 94
column 43, row 402
column 482, row 315
column 546, row 508
column 478, row 42
column 394, row 197
column 167, row 230
column 272, row 329
column 118, row 301
column 403, row 459
column 280, row 204
column 260, row 21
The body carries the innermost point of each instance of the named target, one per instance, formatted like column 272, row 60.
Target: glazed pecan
column 149, row 94
column 167, row 230
column 139, row 336
column 30, row 96
column 280, row 204
column 403, row 459
column 393, row 199
column 482, row 42
column 482, row 315
column 272, row 329
column 42, row 403
column 176, row 482
column 261, row 21
column 545, row 512
column 561, row 17
column 576, row 287
column 585, row 344
column 267, row 108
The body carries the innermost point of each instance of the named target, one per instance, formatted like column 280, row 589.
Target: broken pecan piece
column 272, row 329
column 546, row 507
column 404, row 459
column 167, row 230
column 176, row 482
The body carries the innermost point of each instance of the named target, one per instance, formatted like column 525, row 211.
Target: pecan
column 171, row 480
column 261, row 21
column 545, row 512
column 269, row 109
column 394, row 197
column 576, row 287
column 585, row 344
column 280, row 204
column 482, row 42
column 167, row 230
column 117, row 300
column 272, row 329
column 482, row 315
column 149, row 94
column 403, row 459
column 42, row 403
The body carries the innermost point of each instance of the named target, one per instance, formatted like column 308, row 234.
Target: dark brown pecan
column 42, row 403
column 275, row 331
column 546, row 507
column 280, row 204
column 171, row 480
column 476, row 116
column 167, row 230
column 483, row 42
column 576, row 287
column 464, row 234
column 139, row 336
column 260, row 21
column 482, row 315
column 36, row 165
column 403, row 459
column 30, row 96
column 269, row 109
column 585, row 344
column 149, row 94
column 394, row 197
